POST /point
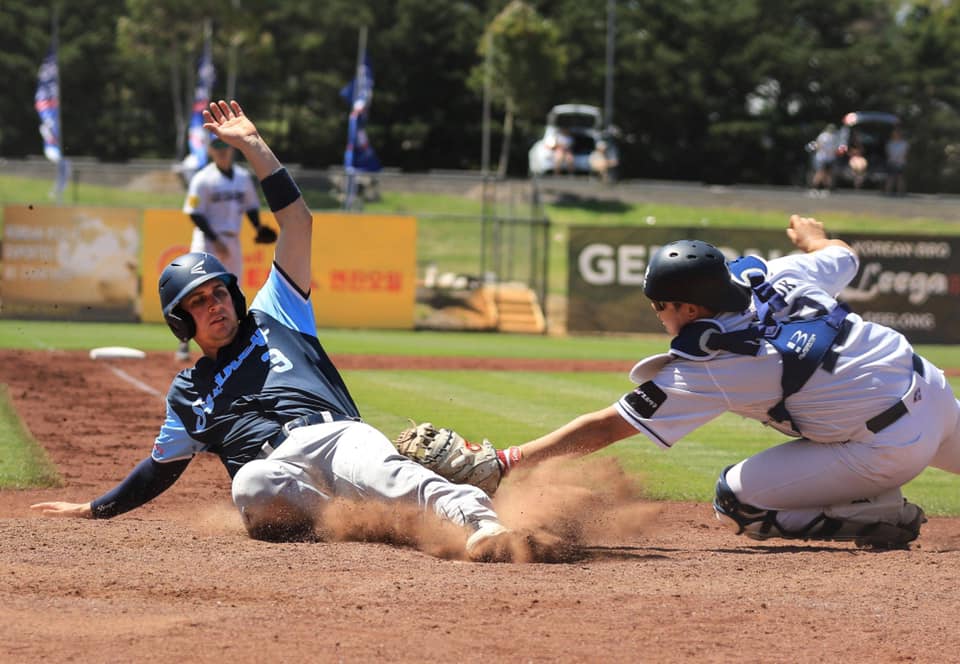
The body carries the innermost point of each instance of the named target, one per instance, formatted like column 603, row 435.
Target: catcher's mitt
column 265, row 235
column 446, row 453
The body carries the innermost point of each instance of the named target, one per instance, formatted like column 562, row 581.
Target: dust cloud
column 586, row 501
column 556, row 512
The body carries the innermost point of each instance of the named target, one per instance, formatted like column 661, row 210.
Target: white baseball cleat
column 490, row 543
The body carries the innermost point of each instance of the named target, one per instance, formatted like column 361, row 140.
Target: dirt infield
column 178, row 580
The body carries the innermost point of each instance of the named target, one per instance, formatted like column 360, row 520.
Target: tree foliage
column 525, row 59
column 711, row 90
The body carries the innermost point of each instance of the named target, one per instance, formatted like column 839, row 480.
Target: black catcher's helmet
column 181, row 276
column 696, row 272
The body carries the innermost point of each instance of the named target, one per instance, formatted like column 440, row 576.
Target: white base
column 116, row 352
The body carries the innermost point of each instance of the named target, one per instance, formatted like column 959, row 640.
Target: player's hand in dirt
column 60, row 508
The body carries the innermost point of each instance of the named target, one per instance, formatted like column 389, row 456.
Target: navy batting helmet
column 181, row 276
column 696, row 272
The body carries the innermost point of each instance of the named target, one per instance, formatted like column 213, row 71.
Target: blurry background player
column 218, row 196
column 825, row 155
column 896, row 150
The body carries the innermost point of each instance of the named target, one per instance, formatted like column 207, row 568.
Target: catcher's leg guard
column 743, row 519
column 886, row 521
column 863, row 528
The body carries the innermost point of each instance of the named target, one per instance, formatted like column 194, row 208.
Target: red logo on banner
column 366, row 280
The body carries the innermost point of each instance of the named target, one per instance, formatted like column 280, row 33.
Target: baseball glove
column 265, row 235
column 449, row 455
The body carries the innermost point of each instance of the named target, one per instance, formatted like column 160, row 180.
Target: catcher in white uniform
column 770, row 342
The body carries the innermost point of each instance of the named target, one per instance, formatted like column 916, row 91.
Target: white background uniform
column 223, row 201
column 826, row 149
column 838, row 460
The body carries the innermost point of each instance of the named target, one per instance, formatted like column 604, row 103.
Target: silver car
column 578, row 126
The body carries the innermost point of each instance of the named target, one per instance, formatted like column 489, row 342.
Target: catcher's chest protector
column 805, row 344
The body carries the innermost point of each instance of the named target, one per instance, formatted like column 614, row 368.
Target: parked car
column 865, row 133
column 579, row 125
column 861, row 148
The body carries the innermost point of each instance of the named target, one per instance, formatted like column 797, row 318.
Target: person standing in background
column 563, row 152
column 824, row 158
column 218, row 196
column 897, row 149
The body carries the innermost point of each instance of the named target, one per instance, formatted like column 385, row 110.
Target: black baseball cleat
column 893, row 536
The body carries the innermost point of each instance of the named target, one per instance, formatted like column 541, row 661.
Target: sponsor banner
column 910, row 283
column 364, row 266
column 71, row 263
column 364, row 270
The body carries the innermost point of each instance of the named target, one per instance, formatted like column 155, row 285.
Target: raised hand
column 808, row 234
column 229, row 123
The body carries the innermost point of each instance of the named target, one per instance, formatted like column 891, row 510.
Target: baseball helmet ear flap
column 181, row 276
column 181, row 324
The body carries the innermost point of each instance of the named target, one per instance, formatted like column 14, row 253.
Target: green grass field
column 23, row 463
column 506, row 407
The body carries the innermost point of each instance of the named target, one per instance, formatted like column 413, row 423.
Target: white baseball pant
column 350, row 460
column 802, row 478
column 233, row 261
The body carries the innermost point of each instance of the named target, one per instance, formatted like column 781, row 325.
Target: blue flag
column 197, row 136
column 47, row 103
column 359, row 155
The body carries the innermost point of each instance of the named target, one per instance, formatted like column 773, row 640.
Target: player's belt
column 896, row 411
column 303, row 421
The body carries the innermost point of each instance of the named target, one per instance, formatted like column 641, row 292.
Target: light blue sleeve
column 173, row 442
column 281, row 300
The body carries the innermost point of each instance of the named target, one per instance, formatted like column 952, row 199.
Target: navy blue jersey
column 274, row 371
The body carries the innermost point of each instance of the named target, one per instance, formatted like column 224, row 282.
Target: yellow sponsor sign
column 71, row 263
column 364, row 266
column 364, row 270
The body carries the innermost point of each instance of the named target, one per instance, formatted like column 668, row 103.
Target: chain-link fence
column 483, row 265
